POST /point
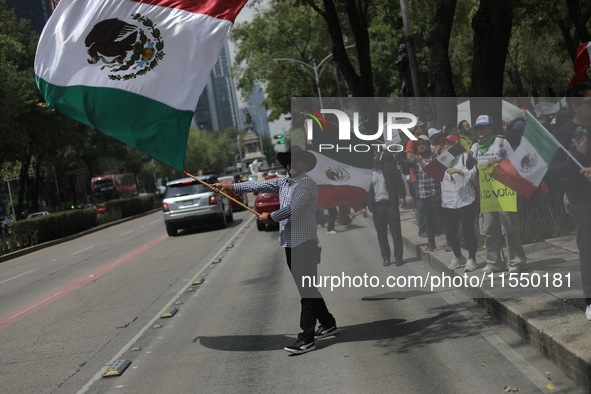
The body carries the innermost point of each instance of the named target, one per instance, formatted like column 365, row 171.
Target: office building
column 37, row 11
column 217, row 108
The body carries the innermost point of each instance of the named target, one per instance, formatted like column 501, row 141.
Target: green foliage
column 211, row 151
column 284, row 31
column 133, row 206
column 541, row 219
column 41, row 229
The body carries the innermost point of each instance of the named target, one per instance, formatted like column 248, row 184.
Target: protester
column 458, row 195
column 434, row 136
column 514, row 132
column 449, row 130
column 386, row 194
column 488, row 150
column 574, row 135
column 465, row 133
column 408, row 169
column 332, row 219
column 298, row 198
column 428, row 190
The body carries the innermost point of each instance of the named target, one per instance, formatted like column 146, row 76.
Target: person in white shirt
column 488, row 150
column 458, row 195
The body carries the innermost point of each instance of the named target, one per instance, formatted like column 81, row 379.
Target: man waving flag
column 133, row 69
column 525, row 168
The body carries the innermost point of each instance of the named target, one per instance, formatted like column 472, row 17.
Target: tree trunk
column 492, row 25
column 361, row 85
column 570, row 42
column 579, row 20
column 440, row 74
column 492, row 30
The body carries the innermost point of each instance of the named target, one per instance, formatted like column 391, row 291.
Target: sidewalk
column 553, row 322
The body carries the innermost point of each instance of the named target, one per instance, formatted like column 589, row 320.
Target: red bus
column 113, row 186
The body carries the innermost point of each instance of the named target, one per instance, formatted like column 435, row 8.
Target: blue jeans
column 421, row 220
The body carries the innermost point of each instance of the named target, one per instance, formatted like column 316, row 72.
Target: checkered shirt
column 428, row 187
column 298, row 199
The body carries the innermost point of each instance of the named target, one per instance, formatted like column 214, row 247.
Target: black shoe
column 300, row 346
column 399, row 263
column 386, row 262
column 325, row 332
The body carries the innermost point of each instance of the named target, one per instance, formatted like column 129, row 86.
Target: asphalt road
column 70, row 311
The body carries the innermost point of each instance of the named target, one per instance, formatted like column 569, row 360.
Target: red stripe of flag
column 581, row 63
column 220, row 9
column 331, row 196
column 506, row 173
column 435, row 170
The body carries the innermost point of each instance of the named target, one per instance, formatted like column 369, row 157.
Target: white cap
column 484, row 120
column 432, row 131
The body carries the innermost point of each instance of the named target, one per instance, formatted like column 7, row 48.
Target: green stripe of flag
column 539, row 139
column 154, row 128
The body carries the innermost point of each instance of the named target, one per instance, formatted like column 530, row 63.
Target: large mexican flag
column 133, row 69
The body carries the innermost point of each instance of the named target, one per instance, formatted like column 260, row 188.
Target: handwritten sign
column 494, row 196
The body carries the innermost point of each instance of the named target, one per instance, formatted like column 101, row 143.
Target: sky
column 279, row 126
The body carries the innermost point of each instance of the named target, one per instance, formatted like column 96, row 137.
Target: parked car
column 242, row 197
column 37, row 214
column 5, row 222
column 188, row 202
column 266, row 202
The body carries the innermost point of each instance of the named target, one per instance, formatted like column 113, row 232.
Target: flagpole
column 222, row 193
column 570, row 155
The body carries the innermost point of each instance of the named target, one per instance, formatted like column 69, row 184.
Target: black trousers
column 332, row 218
column 313, row 305
column 432, row 211
column 386, row 214
column 464, row 216
column 581, row 212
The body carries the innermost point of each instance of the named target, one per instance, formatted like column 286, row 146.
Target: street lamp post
column 412, row 58
column 315, row 70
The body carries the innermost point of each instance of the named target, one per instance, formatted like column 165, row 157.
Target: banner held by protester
column 494, row 196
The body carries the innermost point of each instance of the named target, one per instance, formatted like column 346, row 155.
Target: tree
column 440, row 74
column 282, row 31
column 356, row 13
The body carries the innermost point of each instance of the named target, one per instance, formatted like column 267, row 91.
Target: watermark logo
column 318, row 118
column 390, row 125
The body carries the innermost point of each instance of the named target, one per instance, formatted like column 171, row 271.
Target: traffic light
column 280, row 138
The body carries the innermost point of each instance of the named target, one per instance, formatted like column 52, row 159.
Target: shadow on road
column 382, row 330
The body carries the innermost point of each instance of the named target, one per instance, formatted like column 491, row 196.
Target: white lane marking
column 18, row 276
column 154, row 222
column 83, row 250
column 150, row 323
column 127, row 232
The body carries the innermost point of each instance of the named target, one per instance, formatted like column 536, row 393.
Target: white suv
column 188, row 202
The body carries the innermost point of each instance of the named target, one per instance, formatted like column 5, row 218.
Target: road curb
column 555, row 327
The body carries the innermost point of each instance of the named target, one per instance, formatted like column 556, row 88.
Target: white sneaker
column 471, row 265
column 489, row 269
column 588, row 312
column 456, row 262
column 331, row 232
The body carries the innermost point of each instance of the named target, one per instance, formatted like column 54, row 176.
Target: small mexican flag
column 437, row 167
column 133, row 69
column 525, row 168
column 340, row 183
